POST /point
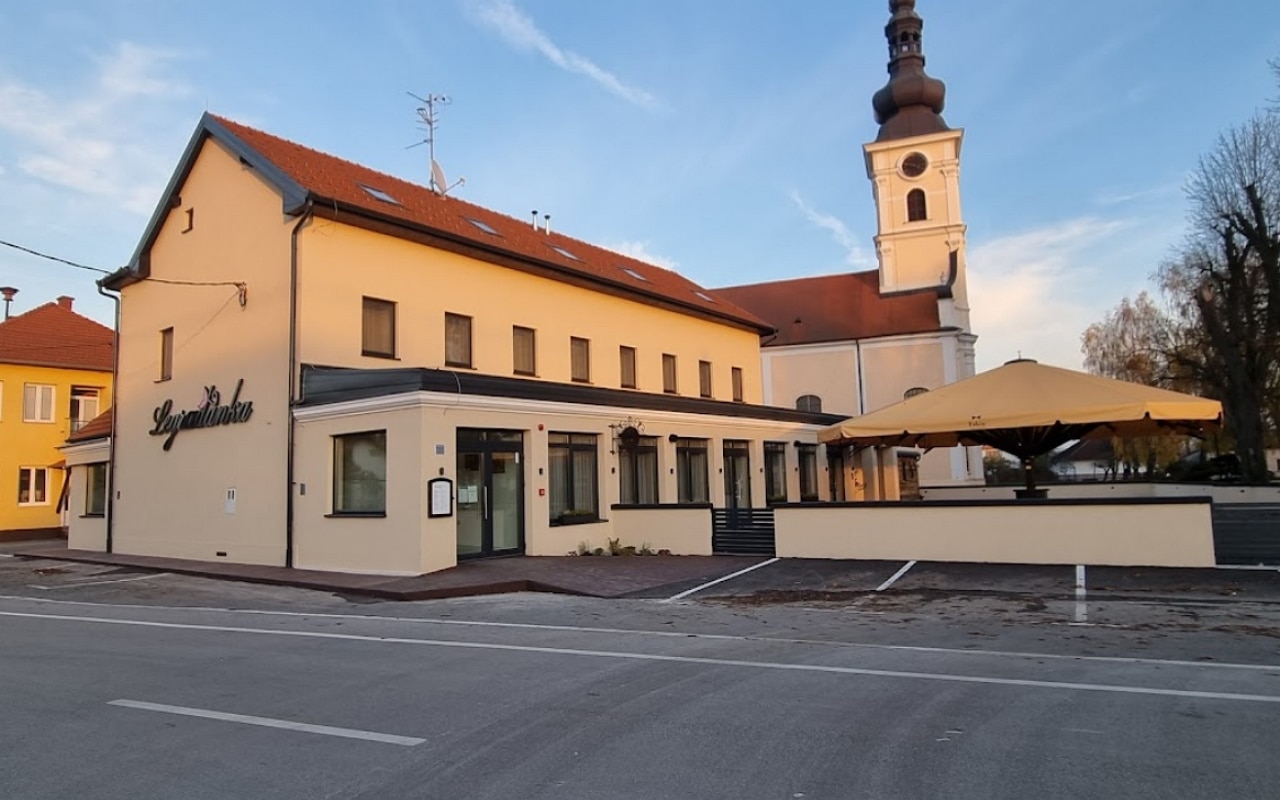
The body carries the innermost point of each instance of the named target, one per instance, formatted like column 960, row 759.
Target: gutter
column 115, row 411
column 293, row 379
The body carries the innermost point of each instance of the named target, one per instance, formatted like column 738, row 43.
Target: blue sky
column 719, row 137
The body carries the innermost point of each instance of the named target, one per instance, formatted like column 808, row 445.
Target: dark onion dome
column 911, row 103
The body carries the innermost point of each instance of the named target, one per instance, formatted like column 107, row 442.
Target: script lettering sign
column 209, row 414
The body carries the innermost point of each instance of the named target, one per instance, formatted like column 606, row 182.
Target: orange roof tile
column 97, row 428
column 834, row 308
column 53, row 335
column 328, row 178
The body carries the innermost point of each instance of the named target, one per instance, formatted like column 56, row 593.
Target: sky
column 720, row 138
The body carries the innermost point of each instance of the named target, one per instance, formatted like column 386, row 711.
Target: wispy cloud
column 95, row 141
column 1115, row 197
column 854, row 254
column 640, row 251
column 520, row 31
column 1033, row 293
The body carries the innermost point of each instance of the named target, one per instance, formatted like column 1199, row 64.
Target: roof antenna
column 430, row 118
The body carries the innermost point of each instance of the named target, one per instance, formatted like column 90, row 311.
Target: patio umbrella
column 1028, row 409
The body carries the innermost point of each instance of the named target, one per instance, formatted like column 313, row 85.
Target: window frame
column 516, row 332
column 378, row 303
column 338, row 493
column 670, row 374
column 95, row 476
column 809, row 403
column 570, row 446
column 75, row 413
column 807, row 466
column 30, row 486
column 632, row 451
column 735, row 375
column 166, row 354
column 773, row 451
column 574, row 342
column 53, row 403
column 627, row 369
column 451, row 318
column 917, row 205
column 705, row 388
column 686, row 449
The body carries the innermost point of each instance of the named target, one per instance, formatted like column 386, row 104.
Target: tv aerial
column 430, row 119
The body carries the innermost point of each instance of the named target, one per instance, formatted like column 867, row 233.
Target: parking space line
column 98, row 583
column 268, row 722
column 896, row 575
column 709, row 584
column 827, row 669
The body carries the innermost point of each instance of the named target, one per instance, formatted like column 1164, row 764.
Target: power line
column 53, row 258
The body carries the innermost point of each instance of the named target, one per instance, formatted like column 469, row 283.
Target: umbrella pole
column 1029, row 475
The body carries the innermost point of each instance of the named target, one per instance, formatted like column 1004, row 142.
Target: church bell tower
column 914, row 167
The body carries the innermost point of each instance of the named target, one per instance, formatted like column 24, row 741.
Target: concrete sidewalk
column 592, row 576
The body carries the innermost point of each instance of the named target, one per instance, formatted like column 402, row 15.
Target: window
column 916, row 209
column 691, row 470
column 484, row 226
column 914, row 391
column 95, row 490
column 807, row 454
column 775, row 472
column 378, row 330
column 457, row 340
column 627, row 356
column 572, row 464
column 378, row 194
column 668, row 373
column 835, row 473
column 33, row 486
column 37, row 402
column 166, row 354
column 634, row 274
column 84, row 406
column 809, row 402
column 637, row 468
column 737, row 474
column 580, row 355
column 737, row 384
column 360, row 473
column 704, row 378
column 524, row 358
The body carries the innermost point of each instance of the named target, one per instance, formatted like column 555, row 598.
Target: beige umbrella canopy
column 1028, row 409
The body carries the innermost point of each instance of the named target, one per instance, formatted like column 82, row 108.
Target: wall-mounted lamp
column 673, row 438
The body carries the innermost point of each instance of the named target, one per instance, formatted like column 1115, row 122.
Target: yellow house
column 55, row 377
column 326, row 367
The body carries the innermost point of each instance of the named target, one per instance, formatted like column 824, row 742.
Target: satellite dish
column 437, row 177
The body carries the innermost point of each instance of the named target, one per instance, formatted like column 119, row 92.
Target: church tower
column 914, row 167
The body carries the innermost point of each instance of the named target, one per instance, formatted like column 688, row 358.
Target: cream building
column 853, row 343
column 325, row 367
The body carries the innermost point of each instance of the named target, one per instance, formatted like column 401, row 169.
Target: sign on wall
column 210, row 413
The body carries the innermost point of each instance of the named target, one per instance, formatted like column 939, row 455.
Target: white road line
column 268, row 722
column 709, row 584
column 715, row 662
column 1082, row 607
column 99, row 583
column 536, row 626
column 896, row 575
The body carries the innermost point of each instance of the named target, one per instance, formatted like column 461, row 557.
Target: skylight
column 484, row 226
column 635, row 274
column 705, row 296
column 564, row 252
column 378, row 194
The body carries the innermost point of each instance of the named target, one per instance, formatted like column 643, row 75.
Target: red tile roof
column 53, row 335
column 330, row 178
column 833, row 308
column 97, row 428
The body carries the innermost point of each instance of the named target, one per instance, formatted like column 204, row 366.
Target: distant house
column 55, row 377
column 1086, row 460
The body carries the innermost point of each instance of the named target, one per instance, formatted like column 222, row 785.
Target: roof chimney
column 535, row 219
column 65, row 302
column 547, row 228
column 7, row 292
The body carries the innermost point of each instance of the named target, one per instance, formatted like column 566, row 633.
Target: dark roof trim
column 324, row 385
column 921, row 332
column 209, row 127
column 339, row 211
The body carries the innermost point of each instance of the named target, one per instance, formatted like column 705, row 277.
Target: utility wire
column 53, row 258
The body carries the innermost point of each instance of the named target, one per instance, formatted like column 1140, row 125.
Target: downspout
column 115, row 410
column 862, row 390
column 293, row 378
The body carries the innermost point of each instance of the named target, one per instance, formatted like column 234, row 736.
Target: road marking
column 1082, row 608
column 709, row 584
column 98, row 583
column 268, row 722
column 536, row 626
column 703, row 661
column 896, row 575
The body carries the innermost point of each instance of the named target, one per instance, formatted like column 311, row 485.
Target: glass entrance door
column 737, row 474
column 490, row 493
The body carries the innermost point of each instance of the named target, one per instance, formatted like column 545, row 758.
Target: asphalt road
column 116, row 695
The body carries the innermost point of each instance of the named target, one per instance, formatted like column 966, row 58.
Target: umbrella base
column 1031, row 494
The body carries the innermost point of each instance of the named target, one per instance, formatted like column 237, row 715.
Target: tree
column 1227, row 281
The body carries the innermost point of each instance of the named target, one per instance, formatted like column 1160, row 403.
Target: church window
column 916, row 208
